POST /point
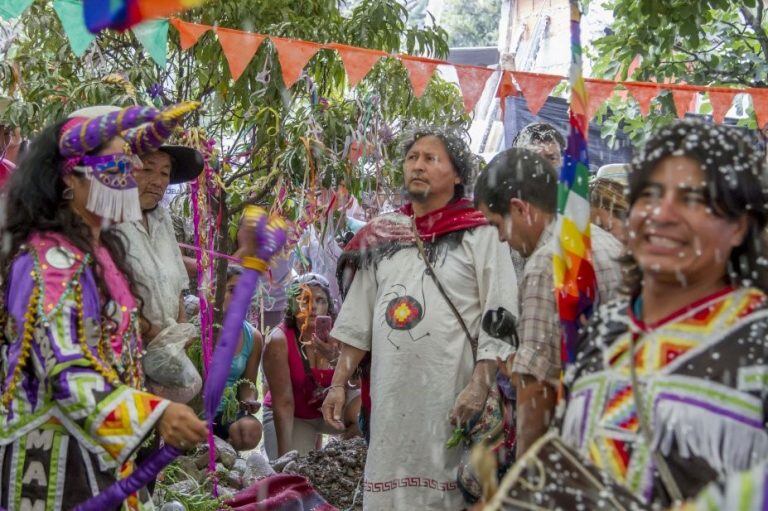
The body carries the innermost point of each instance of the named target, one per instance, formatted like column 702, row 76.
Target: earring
column 68, row 193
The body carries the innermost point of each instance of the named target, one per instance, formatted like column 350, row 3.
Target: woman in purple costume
column 73, row 410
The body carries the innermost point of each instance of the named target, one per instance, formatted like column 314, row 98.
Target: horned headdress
column 113, row 192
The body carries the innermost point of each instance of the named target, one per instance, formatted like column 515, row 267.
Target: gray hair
column 538, row 133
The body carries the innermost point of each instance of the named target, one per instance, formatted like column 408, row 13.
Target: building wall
column 554, row 51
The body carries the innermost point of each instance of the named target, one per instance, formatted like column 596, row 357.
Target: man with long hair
column 415, row 279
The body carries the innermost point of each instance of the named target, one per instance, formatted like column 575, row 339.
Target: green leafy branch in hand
column 231, row 401
column 459, row 436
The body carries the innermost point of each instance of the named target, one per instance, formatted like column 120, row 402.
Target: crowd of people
column 442, row 324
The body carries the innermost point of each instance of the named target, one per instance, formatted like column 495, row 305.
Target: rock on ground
column 225, row 453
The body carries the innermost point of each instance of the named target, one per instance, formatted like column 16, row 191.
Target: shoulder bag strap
column 431, row 272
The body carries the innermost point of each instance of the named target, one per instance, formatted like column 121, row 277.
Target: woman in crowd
column 74, row 410
column 243, row 431
column 669, row 390
column 298, row 363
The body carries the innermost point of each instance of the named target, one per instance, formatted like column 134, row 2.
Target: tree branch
column 756, row 25
column 231, row 179
column 256, row 199
column 724, row 76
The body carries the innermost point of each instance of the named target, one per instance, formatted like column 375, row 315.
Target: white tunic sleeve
column 497, row 286
column 354, row 325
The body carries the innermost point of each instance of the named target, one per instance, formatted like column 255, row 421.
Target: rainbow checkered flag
column 574, row 275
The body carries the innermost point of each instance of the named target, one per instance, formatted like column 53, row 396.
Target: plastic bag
column 169, row 371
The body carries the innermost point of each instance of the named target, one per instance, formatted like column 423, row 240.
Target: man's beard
column 420, row 196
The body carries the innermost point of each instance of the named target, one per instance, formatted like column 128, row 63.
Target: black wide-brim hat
column 187, row 163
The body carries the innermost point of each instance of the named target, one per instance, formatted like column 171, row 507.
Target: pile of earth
column 335, row 471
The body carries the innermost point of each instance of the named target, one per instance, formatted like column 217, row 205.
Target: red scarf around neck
column 396, row 227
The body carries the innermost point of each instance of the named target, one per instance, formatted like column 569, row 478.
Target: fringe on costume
column 728, row 444
column 116, row 205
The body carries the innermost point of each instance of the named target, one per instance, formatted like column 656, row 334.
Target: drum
column 551, row 475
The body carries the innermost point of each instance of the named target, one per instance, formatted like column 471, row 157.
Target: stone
column 336, row 471
column 173, row 505
column 225, row 453
column 232, row 479
column 240, row 465
column 280, row 463
column 258, row 465
column 187, row 486
column 226, row 493
column 201, row 458
column 190, row 468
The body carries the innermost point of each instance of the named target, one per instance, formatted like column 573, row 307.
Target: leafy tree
column 707, row 42
column 266, row 135
column 473, row 23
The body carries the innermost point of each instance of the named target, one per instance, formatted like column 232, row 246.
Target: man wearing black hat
column 154, row 256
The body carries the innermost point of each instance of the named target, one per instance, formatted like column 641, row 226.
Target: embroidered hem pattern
column 405, row 482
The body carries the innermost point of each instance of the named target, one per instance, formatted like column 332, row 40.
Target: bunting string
column 239, row 48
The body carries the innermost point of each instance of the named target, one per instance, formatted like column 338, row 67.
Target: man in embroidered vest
column 517, row 192
column 423, row 381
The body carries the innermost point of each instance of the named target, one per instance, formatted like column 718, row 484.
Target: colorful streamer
column 204, row 236
column 574, row 275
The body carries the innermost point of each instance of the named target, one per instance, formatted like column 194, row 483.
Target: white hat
column 614, row 171
column 90, row 112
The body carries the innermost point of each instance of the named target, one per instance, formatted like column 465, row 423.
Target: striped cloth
column 574, row 275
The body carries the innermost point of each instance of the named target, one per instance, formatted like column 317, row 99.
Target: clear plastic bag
column 167, row 367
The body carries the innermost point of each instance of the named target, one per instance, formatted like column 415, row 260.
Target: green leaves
column 707, row 42
column 473, row 23
column 458, row 436
column 268, row 138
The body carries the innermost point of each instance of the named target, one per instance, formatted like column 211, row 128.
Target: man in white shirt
column 426, row 377
column 154, row 256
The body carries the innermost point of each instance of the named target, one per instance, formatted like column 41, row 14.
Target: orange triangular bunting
column 472, row 82
column 189, row 33
column 535, row 88
column 760, row 105
column 293, row 56
column 643, row 92
column 721, row 101
column 683, row 99
column 507, row 86
column 419, row 72
column 239, row 48
column 357, row 61
column 597, row 92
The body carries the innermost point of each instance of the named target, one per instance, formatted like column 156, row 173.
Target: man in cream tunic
column 153, row 252
column 423, row 378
